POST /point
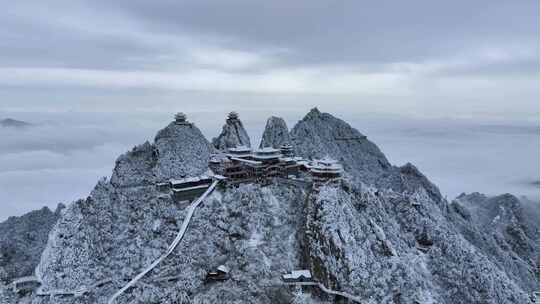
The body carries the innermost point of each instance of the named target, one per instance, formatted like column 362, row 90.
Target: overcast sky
column 81, row 62
column 417, row 57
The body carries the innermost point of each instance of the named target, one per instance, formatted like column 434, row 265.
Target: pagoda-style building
column 232, row 116
column 325, row 170
column 181, row 119
column 287, row 150
column 242, row 164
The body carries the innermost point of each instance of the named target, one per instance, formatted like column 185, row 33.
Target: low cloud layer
column 56, row 161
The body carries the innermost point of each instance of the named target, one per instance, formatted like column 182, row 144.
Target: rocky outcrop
column 232, row 135
column 22, row 240
column 135, row 167
column 320, row 134
column 178, row 150
column 275, row 133
column 414, row 182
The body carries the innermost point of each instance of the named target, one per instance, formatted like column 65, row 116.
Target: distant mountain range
column 13, row 123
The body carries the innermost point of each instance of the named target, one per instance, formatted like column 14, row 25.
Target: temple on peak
column 232, row 116
column 181, row 119
column 242, row 164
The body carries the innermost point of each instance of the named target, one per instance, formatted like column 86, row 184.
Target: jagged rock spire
column 233, row 134
column 275, row 133
column 313, row 113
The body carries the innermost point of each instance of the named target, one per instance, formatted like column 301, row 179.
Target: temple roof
column 295, row 274
column 180, row 117
column 232, row 115
column 240, row 149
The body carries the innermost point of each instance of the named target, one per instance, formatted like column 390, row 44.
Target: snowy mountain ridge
column 384, row 234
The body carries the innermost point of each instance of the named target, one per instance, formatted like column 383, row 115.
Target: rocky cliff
column 275, row 133
column 384, row 234
column 233, row 134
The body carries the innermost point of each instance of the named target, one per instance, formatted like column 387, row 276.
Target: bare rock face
column 232, row 135
column 275, row 133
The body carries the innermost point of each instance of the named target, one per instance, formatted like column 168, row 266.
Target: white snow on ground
column 255, row 240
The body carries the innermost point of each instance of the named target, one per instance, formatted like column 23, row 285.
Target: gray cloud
column 417, row 55
column 346, row 30
column 151, row 34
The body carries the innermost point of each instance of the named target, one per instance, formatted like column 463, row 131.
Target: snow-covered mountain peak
column 233, row 134
column 179, row 150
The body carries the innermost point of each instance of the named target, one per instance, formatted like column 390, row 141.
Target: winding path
column 172, row 246
column 339, row 293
